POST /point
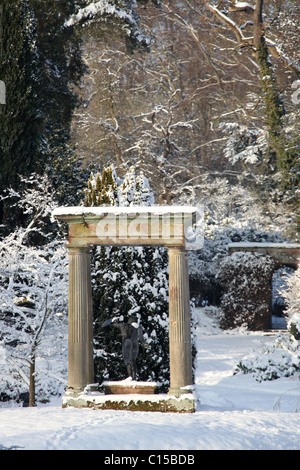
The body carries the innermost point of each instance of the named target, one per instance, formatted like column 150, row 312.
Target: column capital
column 177, row 248
column 78, row 248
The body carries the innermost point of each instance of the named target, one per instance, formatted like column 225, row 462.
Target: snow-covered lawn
column 235, row 411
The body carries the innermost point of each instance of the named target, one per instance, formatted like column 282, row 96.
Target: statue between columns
column 132, row 333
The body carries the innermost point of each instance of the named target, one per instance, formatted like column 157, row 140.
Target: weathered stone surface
column 179, row 322
column 282, row 253
column 129, row 388
column 80, row 326
column 152, row 403
column 123, row 226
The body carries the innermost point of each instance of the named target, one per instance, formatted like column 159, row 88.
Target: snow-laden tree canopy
column 33, row 296
column 122, row 11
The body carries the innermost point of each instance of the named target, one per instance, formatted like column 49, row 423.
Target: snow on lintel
column 262, row 245
column 101, row 210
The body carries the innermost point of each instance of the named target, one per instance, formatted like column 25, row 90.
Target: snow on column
column 179, row 322
column 80, row 330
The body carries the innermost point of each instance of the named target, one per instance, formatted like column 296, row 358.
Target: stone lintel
column 123, row 226
column 281, row 253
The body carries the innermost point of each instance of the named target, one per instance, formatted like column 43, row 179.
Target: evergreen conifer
column 39, row 60
column 126, row 281
column 21, row 116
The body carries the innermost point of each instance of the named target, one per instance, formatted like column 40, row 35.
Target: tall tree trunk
column 258, row 24
column 32, row 382
column 274, row 108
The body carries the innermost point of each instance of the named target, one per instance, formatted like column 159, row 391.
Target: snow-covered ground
column 234, row 411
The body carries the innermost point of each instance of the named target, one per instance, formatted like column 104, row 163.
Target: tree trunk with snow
column 32, row 382
column 274, row 109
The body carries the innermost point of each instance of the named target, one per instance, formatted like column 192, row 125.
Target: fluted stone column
column 179, row 322
column 80, row 322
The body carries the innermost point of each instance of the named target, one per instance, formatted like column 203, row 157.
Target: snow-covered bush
column 294, row 326
column 204, row 264
column 232, row 213
column 282, row 359
column 292, row 294
column 33, row 293
column 126, row 281
column 246, row 144
column 246, row 282
column 291, row 297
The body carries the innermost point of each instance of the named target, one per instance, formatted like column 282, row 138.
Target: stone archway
column 283, row 254
column 123, row 226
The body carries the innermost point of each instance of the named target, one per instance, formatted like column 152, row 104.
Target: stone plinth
column 129, row 387
column 131, row 402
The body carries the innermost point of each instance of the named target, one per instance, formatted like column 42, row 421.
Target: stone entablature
column 128, row 226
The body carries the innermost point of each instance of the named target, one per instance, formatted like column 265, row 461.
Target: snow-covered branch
column 273, row 47
column 33, row 281
column 241, row 6
column 231, row 25
column 108, row 8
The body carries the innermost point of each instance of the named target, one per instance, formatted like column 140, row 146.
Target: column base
column 75, row 392
column 179, row 391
